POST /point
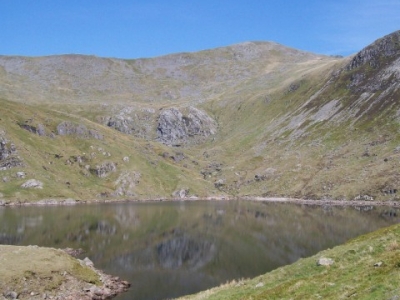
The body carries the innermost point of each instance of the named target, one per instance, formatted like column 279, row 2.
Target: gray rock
column 180, row 194
column 79, row 130
column 39, row 130
column 88, row 262
column 364, row 197
column 70, row 201
column 260, row 284
column 48, row 202
column 219, row 183
column 21, row 174
column 10, row 162
column 126, row 184
column 175, row 128
column 386, row 47
column 324, row 261
column 378, row 264
column 11, row 295
column 32, row 183
column 8, row 158
column 104, row 169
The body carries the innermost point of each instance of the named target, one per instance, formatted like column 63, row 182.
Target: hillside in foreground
column 364, row 268
column 254, row 119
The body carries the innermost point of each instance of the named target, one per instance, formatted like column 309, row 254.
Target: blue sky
column 139, row 28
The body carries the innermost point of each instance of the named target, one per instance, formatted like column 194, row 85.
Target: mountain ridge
column 254, row 119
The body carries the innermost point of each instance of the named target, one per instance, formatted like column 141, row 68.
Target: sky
column 149, row 28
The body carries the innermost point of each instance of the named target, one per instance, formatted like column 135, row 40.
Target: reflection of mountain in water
column 8, row 239
column 178, row 250
column 182, row 250
column 184, row 247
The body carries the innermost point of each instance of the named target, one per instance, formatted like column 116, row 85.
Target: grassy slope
column 159, row 176
column 353, row 274
column 39, row 270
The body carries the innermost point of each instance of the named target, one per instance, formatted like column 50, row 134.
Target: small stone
column 88, row 262
column 21, row 174
column 32, row 183
column 260, row 284
column 378, row 264
column 323, row 261
column 96, row 291
column 11, row 295
column 126, row 159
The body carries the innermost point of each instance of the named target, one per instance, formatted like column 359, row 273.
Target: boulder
column 79, row 130
column 180, row 193
column 104, row 169
column 7, row 149
column 32, row 183
column 126, row 184
column 176, row 128
column 324, row 261
column 39, row 130
column 21, row 174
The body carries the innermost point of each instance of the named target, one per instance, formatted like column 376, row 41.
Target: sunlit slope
column 254, row 119
column 364, row 268
column 330, row 133
column 91, row 162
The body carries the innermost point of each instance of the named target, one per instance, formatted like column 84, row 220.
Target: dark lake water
column 169, row 249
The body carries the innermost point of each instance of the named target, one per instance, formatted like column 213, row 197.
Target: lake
column 168, row 249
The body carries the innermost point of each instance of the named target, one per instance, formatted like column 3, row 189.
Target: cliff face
column 175, row 128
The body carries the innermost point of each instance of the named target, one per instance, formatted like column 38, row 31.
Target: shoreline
column 325, row 202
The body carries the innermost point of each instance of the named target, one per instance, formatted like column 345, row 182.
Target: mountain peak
column 387, row 47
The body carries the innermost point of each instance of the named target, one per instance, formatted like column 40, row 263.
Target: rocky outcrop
column 79, row 130
column 376, row 67
column 137, row 122
column 8, row 154
column 324, row 261
column 39, row 129
column 126, row 184
column 32, row 183
column 104, row 169
column 176, row 128
column 373, row 55
column 180, row 193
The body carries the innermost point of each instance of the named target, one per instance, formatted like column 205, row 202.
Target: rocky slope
column 250, row 119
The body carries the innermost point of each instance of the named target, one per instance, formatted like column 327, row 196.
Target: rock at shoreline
column 181, row 193
column 324, row 261
column 47, row 273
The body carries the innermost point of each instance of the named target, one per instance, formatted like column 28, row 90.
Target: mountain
column 253, row 119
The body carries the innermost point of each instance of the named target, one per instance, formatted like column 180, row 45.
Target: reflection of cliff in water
column 184, row 247
column 180, row 250
column 177, row 250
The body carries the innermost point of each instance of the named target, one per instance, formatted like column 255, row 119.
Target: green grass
column 42, row 270
column 353, row 274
